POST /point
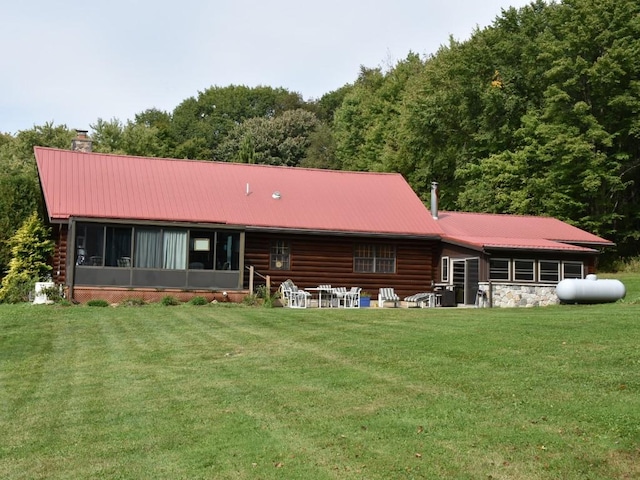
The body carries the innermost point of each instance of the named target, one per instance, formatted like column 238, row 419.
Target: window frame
column 94, row 242
column 280, row 251
column 542, row 273
column 444, row 269
column 375, row 261
column 530, row 261
column 574, row 263
column 507, row 270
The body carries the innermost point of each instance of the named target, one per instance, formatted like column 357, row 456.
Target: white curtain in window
column 175, row 249
column 148, row 248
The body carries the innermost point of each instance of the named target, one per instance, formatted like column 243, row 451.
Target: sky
column 72, row 63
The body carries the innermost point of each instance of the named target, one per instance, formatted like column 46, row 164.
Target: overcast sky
column 74, row 62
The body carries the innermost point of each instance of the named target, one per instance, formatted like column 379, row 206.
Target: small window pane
column 385, row 265
column 364, row 265
column 549, row 271
column 523, row 270
column 499, row 269
column 572, row 270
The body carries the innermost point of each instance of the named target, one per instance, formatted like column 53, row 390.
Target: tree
column 576, row 155
column 280, row 140
column 31, row 248
column 321, row 152
column 366, row 123
column 19, row 188
column 199, row 125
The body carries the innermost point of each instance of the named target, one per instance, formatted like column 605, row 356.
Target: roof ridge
column 218, row 162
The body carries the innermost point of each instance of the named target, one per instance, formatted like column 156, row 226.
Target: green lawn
column 237, row 392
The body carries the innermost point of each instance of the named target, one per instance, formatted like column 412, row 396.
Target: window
column 157, row 248
column 174, row 248
column 89, row 245
column 374, row 259
column 118, row 247
column 280, row 257
column 549, row 271
column 444, row 270
column 499, row 269
column 523, row 270
column 148, row 249
column 572, row 270
column 201, row 247
column 228, row 251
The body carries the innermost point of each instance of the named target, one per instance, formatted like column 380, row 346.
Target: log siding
column 318, row 259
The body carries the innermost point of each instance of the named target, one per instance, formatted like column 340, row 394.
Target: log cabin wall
column 317, row 260
column 59, row 260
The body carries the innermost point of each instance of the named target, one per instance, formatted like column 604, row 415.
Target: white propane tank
column 590, row 290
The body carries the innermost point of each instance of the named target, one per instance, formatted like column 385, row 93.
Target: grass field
column 237, row 392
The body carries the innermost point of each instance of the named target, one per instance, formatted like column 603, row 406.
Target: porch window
column 227, row 251
column 174, row 249
column 201, row 250
column 572, row 270
column 374, row 258
column 280, row 258
column 90, row 245
column 157, row 248
column 549, row 271
column 118, row 247
column 499, row 269
column 523, row 270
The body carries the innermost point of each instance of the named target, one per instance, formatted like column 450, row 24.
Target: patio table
column 320, row 290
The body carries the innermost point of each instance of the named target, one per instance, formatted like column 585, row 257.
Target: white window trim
column 572, row 262
column 443, row 278
column 509, row 267
column 559, row 270
column 533, row 269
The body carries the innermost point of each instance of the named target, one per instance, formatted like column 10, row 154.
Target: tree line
column 538, row 113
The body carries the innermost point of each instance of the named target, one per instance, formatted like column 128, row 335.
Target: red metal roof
column 516, row 232
column 97, row 185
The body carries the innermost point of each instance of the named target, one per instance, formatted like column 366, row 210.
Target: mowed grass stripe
column 214, row 392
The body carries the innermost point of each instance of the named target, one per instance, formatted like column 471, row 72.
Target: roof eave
column 348, row 233
column 489, row 248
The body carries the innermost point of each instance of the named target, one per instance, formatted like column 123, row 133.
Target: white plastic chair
column 387, row 295
column 352, row 298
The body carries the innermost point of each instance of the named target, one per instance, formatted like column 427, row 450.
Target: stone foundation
column 518, row 295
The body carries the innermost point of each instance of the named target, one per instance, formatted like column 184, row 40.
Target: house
column 130, row 226
column 511, row 260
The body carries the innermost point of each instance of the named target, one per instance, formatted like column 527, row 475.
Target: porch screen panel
column 148, row 252
column 175, row 249
column 118, row 247
column 228, row 251
column 472, row 277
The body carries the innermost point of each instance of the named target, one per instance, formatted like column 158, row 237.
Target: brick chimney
column 82, row 142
